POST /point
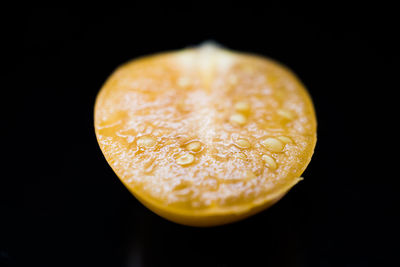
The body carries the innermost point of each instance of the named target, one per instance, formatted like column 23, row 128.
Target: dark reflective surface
column 61, row 205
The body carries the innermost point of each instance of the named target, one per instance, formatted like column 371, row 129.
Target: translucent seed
column 249, row 69
column 243, row 143
column 183, row 81
column 285, row 139
column 269, row 161
column 241, row 155
column 273, row 144
column 168, row 142
column 232, row 79
column 285, row 114
column 242, row 106
column 250, row 175
column 238, row 119
column 181, row 185
column 146, row 141
column 185, row 159
column 194, row 146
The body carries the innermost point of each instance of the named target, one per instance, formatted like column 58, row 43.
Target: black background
column 61, row 204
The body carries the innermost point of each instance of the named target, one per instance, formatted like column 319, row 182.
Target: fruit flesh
column 205, row 136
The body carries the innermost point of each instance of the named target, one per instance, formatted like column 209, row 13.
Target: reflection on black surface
column 269, row 238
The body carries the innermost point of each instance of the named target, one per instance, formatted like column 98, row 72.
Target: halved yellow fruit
column 205, row 136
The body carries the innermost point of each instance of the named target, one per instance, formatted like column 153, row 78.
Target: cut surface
column 205, row 136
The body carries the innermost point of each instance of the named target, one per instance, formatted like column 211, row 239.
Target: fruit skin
column 213, row 217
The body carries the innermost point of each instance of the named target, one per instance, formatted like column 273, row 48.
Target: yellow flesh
column 205, row 136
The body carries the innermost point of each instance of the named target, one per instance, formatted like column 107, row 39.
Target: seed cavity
column 146, row 141
column 185, row 159
column 285, row 139
column 269, row 161
column 194, row 146
column 238, row 119
column 242, row 106
column 242, row 143
column 273, row 144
